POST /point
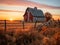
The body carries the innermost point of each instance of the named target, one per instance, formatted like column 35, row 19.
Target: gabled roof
column 35, row 11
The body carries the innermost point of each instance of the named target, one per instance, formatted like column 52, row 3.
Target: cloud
column 55, row 3
column 12, row 1
column 26, row 3
column 1, row 10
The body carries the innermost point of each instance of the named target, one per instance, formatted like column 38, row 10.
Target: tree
column 48, row 16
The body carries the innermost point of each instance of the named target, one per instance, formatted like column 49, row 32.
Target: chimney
column 35, row 8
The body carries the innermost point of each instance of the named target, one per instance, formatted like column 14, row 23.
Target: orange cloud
column 10, row 11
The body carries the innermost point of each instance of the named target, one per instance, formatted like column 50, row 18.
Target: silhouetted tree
column 48, row 16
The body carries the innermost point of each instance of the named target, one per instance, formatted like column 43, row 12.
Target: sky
column 15, row 9
column 48, row 2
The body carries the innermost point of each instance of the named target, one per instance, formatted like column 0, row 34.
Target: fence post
column 23, row 24
column 5, row 25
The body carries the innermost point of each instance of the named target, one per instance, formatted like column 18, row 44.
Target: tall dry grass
column 44, row 34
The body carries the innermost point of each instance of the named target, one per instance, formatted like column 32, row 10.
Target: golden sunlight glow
column 11, row 15
column 56, row 17
column 11, row 19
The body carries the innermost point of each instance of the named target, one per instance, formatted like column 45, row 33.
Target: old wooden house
column 33, row 15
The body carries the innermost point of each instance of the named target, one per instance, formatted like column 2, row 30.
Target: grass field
column 18, row 33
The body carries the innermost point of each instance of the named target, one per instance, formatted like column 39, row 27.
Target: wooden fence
column 5, row 24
